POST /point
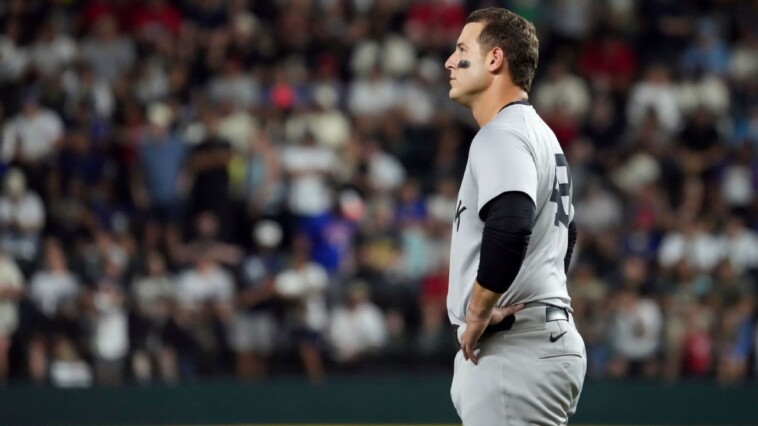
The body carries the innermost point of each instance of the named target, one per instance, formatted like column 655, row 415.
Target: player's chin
column 454, row 95
column 457, row 97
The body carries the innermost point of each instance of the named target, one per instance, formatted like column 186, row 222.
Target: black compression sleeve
column 570, row 249
column 509, row 219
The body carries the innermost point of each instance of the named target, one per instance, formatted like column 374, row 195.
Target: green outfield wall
column 400, row 400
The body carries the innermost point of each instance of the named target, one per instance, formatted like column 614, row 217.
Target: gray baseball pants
column 531, row 374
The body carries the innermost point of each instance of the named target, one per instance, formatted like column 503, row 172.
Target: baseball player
column 522, row 361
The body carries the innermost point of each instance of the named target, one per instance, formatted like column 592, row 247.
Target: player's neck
column 490, row 103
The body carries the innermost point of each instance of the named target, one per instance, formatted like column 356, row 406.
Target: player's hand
column 475, row 327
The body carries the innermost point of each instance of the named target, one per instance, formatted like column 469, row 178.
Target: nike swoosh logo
column 554, row 339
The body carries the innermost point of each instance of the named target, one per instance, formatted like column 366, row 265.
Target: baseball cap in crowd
column 15, row 182
column 267, row 233
column 160, row 115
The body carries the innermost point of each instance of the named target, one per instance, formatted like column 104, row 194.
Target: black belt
column 552, row 313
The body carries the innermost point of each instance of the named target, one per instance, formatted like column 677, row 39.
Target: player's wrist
column 478, row 313
column 482, row 304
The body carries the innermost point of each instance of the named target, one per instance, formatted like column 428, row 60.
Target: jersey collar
column 518, row 102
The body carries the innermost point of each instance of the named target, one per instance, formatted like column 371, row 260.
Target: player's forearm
column 482, row 303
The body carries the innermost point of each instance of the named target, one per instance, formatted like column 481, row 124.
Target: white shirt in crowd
column 33, row 136
column 308, row 285
column 241, row 89
column 97, row 91
column 51, row 56
column 372, row 96
column 309, row 194
column 70, row 373
column 196, row 287
column 741, row 249
column 702, row 249
column 51, row 290
column 636, row 333
column 111, row 333
column 13, row 59
column 567, row 92
column 385, row 173
column 710, row 92
column 662, row 98
column 27, row 212
column 599, row 210
column 354, row 331
column 10, row 277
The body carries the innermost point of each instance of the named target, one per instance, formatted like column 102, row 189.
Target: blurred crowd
column 205, row 188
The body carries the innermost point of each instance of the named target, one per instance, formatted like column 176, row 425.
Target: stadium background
column 230, row 197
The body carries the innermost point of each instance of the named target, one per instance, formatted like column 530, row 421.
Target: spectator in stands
column 303, row 285
column 153, row 296
column 206, row 241
column 658, row 94
column 734, row 341
column 634, row 335
column 385, row 173
column 162, row 155
column 82, row 86
column 433, row 334
column 608, row 61
column 205, row 296
column 738, row 186
column 12, row 288
column 109, row 326
column 53, row 50
column 55, row 294
column 68, row 369
column 109, row 53
column 563, row 90
column 740, row 245
column 372, row 94
column 356, row 329
column 264, row 187
column 591, row 315
column 13, row 58
column 601, row 209
column 32, row 138
column 96, row 257
column 207, row 166
column 681, row 298
column 708, row 53
column 234, row 85
column 22, row 217
column 255, row 323
column 309, row 168
column 693, row 243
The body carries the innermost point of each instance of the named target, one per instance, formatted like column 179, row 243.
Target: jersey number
column 561, row 188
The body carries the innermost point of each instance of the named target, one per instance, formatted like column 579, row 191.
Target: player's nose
column 450, row 63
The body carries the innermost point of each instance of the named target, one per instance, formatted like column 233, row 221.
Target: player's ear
column 496, row 60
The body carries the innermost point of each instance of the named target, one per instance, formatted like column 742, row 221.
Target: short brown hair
column 515, row 35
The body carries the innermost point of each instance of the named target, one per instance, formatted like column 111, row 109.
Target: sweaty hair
column 515, row 35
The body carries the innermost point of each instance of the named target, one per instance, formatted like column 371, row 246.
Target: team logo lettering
column 461, row 208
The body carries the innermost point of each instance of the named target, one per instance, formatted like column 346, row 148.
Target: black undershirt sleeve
column 508, row 221
column 570, row 249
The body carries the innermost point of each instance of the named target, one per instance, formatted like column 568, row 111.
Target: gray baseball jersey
column 532, row 373
column 515, row 151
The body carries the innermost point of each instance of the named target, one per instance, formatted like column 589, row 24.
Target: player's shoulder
column 514, row 120
column 502, row 130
